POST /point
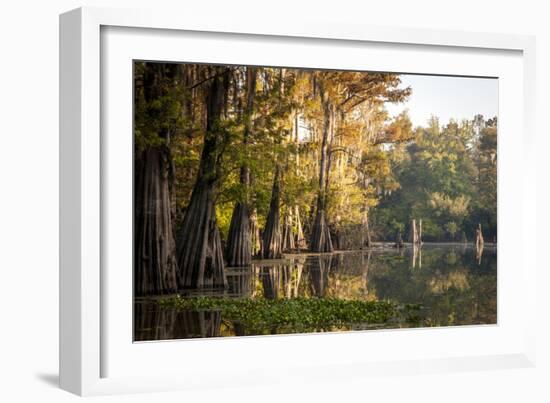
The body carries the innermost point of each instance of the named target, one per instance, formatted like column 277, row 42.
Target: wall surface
column 29, row 202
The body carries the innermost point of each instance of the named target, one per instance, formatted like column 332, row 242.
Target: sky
column 447, row 97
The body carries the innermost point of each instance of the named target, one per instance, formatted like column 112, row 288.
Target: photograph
column 233, row 201
column 272, row 200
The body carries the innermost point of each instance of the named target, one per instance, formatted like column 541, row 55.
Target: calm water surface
column 454, row 285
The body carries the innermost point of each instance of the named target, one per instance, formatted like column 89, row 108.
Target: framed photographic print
column 265, row 193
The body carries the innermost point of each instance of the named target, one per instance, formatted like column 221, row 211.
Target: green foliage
column 447, row 178
column 299, row 314
column 452, row 228
column 157, row 104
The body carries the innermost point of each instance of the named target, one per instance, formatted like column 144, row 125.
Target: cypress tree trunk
column 399, row 241
column 154, row 245
column 414, row 233
column 299, row 240
column 200, row 257
column 479, row 237
column 288, row 234
column 271, row 240
column 255, row 238
column 320, row 233
column 155, row 249
column 239, row 247
column 300, row 237
column 368, row 241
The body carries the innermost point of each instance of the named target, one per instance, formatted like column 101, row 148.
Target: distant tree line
column 447, row 177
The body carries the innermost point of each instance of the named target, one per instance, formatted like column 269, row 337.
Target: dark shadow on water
column 49, row 379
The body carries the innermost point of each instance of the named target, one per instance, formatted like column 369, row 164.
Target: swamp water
column 451, row 284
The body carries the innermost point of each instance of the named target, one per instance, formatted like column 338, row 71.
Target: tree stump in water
column 399, row 241
column 479, row 237
column 479, row 244
column 413, row 234
column 416, row 232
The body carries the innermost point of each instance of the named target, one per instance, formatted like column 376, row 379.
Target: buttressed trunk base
column 200, row 257
column 155, row 249
column 271, row 241
column 320, row 234
column 239, row 248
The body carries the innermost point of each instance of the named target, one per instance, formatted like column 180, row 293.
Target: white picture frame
column 97, row 357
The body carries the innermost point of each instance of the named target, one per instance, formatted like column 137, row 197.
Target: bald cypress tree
column 199, row 248
column 154, row 246
column 239, row 243
column 320, row 240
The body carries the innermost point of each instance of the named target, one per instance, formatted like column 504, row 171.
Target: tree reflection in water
column 318, row 270
column 153, row 323
column 452, row 283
